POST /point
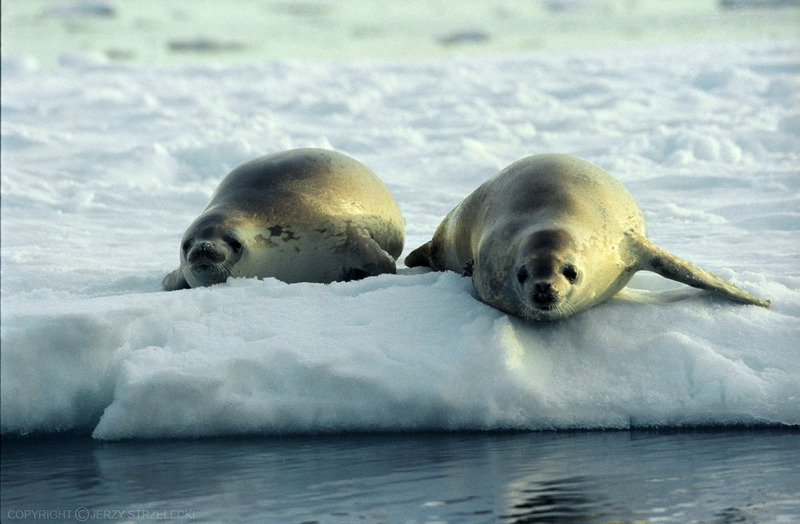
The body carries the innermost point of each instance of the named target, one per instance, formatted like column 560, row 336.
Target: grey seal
column 303, row 215
column 552, row 235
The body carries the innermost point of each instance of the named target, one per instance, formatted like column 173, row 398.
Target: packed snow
column 104, row 165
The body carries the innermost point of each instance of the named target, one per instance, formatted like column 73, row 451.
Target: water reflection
column 559, row 500
column 511, row 478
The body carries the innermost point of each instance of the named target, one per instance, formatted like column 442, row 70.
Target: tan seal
column 304, row 215
column 552, row 235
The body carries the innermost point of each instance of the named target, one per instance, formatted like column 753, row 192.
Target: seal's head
column 546, row 275
column 209, row 251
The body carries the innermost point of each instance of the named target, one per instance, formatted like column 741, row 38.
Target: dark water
column 699, row 476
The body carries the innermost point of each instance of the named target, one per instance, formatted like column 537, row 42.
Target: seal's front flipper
column 469, row 268
column 420, row 256
column 649, row 257
column 175, row 281
column 370, row 260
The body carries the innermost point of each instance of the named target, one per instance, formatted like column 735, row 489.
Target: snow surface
column 186, row 31
column 104, row 165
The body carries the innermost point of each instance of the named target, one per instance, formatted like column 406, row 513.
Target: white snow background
column 104, row 165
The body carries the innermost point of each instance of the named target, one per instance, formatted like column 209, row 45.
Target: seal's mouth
column 546, row 304
column 206, row 274
column 544, row 296
column 209, row 272
column 547, row 313
column 206, row 264
column 202, row 271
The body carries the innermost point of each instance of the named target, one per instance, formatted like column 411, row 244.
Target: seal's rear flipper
column 175, row 281
column 649, row 257
column 420, row 256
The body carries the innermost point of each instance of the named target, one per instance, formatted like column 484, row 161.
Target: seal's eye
column 235, row 245
column 187, row 246
column 570, row 273
column 522, row 274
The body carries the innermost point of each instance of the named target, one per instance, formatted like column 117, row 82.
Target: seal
column 552, row 235
column 303, row 215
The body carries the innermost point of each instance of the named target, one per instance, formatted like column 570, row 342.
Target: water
column 641, row 476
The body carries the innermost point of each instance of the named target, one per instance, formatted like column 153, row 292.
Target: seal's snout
column 205, row 252
column 205, row 265
column 544, row 295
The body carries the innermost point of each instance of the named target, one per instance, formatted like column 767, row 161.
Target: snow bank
column 105, row 165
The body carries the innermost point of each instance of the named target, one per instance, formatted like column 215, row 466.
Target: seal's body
column 304, row 215
column 552, row 235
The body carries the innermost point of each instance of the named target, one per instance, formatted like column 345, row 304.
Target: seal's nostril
column 544, row 294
